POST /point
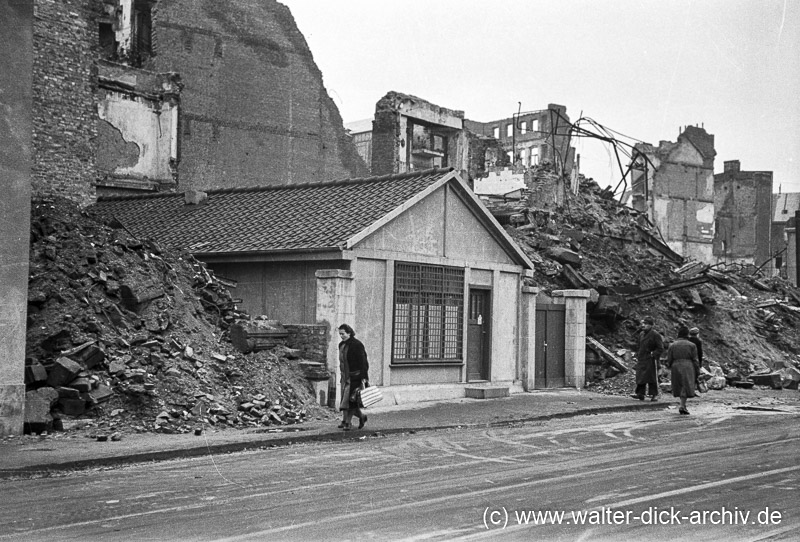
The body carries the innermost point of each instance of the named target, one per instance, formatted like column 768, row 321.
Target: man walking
column 650, row 348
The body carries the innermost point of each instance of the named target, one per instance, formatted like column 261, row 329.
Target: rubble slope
column 124, row 336
column 749, row 324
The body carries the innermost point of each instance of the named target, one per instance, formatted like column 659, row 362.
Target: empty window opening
column 107, row 41
column 142, row 32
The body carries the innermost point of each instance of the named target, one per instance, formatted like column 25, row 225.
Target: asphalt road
column 719, row 474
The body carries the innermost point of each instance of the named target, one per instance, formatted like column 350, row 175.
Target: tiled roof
column 290, row 217
column 789, row 202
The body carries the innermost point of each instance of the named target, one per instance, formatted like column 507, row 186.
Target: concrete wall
column 16, row 57
column 371, row 313
column 440, row 225
column 254, row 108
column 505, row 326
column 335, row 306
column 466, row 236
column 574, row 335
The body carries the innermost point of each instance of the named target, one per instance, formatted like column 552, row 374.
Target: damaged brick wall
column 386, row 142
column 310, row 339
column 743, row 201
column 64, row 105
column 674, row 184
column 254, row 108
column 113, row 150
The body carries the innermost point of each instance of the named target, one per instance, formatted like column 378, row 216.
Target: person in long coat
column 694, row 337
column 354, row 371
column 649, row 351
column 684, row 367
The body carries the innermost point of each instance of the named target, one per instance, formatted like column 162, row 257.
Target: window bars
column 428, row 313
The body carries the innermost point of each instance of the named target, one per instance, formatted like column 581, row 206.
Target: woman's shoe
column 341, row 424
column 362, row 421
column 683, row 411
column 346, row 427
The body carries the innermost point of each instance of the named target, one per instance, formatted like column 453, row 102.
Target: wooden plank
column 607, row 354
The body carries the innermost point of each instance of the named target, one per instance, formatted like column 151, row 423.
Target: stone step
column 486, row 392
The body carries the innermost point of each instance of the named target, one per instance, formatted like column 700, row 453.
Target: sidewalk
column 31, row 455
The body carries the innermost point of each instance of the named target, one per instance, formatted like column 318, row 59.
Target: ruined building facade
column 412, row 134
column 409, row 133
column 784, row 207
column 152, row 95
column 743, row 202
column 673, row 184
column 532, row 138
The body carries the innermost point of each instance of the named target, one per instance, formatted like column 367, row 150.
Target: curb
column 274, row 442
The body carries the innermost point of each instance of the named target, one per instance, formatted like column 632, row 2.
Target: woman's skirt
column 683, row 378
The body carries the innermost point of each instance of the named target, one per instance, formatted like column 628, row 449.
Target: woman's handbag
column 367, row 396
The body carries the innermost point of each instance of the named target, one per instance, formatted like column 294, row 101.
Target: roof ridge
column 314, row 184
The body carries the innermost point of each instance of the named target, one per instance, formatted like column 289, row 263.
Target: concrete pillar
column 528, row 336
column 16, row 57
column 574, row 335
column 335, row 306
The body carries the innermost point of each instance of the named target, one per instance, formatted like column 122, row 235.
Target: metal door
column 550, row 359
column 478, row 334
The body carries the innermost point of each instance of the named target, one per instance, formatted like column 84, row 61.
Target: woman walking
column 353, row 367
column 684, row 366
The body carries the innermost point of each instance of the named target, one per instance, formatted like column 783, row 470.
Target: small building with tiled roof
column 433, row 285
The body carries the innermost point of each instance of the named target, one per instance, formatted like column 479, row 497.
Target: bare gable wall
column 254, row 108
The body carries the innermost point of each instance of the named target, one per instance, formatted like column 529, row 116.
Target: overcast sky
column 644, row 68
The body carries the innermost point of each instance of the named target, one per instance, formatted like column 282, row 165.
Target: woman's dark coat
column 354, row 369
column 650, row 348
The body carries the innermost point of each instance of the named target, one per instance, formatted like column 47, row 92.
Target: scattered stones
column 121, row 334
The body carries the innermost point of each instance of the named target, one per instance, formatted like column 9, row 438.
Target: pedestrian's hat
column 648, row 320
column 694, row 331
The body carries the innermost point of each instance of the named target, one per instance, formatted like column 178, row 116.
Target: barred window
column 428, row 313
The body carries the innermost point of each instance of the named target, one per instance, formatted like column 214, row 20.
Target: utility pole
column 514, row 118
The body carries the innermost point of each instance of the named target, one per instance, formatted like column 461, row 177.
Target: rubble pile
column 749, row 323
column 124, row 336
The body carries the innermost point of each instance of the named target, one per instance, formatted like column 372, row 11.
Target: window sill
column 433, row 363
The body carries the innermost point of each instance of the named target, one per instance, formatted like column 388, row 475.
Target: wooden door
column 550, row 346
column 478, row 334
